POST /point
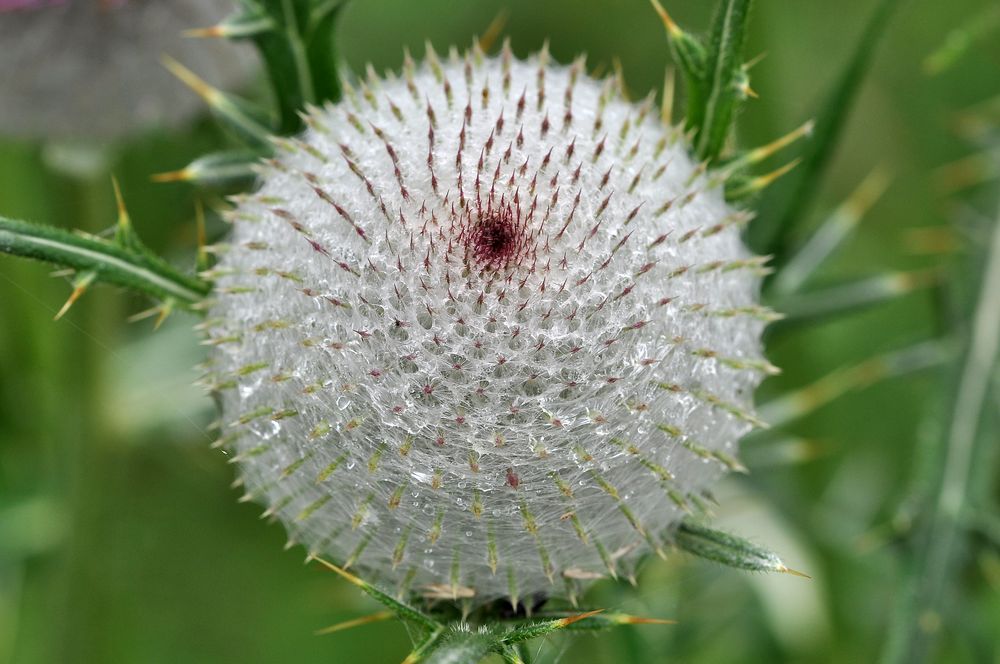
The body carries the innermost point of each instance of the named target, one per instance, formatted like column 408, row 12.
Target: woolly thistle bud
column 89, row 68
column 483, row 329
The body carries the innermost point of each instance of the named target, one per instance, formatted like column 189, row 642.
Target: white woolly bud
column 91, row 69
column 483, row 329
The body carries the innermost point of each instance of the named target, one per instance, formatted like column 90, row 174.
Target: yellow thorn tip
column 672, row 28
column 789, row 570
column 344, row 573
column 199, row 33
column 190, row 79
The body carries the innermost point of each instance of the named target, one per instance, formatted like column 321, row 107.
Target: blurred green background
column 120, row 540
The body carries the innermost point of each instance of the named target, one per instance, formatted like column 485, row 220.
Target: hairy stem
column 111, row 262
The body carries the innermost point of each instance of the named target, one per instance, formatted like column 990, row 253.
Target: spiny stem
column 109, row 261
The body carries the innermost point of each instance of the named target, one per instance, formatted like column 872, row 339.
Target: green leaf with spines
column 691, row 58
column 715, row 81
column 299, row 53
column 725, row 79
column 727, row 549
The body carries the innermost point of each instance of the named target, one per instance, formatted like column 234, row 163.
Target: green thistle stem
column 111, row 262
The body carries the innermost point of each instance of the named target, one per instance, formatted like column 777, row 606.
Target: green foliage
column 122, row 582
column 944, row 501
column 774, row 229
column 715, row 80
column 727, row 549
column 296, row 42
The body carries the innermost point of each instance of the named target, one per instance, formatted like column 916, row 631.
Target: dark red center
column 495, row 236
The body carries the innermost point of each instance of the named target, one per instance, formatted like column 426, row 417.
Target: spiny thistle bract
column 484, row 330
column 89, row 68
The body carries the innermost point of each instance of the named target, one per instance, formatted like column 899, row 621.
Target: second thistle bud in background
column 90, row 70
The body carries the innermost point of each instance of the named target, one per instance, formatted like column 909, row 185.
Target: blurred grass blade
column 959, row 40
column 830, row 235
column 217, row 169
column 967, row 171
column 107, row 261
column 724, row 72
column 782, row 452
column 357, row 622
column 770, row 234
column 850, row 296
column 937, row 541
column 727, row 549
column 805, row 400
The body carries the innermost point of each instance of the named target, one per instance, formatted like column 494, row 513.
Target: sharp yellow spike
column 578, row 617
column 357, row 622
column 494, row 30
column 667, row 107
column 343, row 573
column 625, row 619
column 183, row 175
column 161, row 311
column 765, row 151
column 211, row 95
column 673, row 29
column 750, row 64
column 789, row 570
column 166, row 308
column 763, row 181
column 80, row 285
column 213, row 31
column 619, row 74
column 142, row 315
column 124, row 221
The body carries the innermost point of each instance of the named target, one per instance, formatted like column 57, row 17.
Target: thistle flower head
column 90, row 68
column 484, row 329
